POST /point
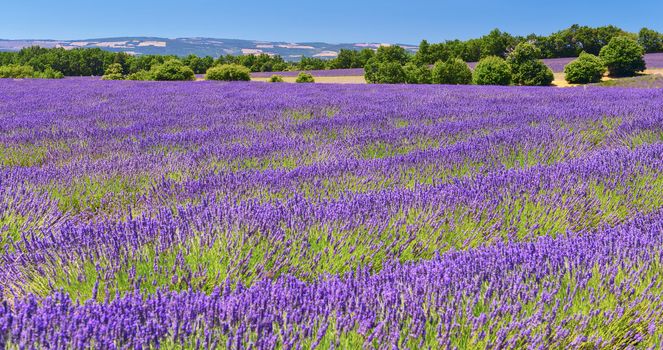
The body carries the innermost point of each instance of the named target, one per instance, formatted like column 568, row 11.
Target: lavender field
column 246, row 215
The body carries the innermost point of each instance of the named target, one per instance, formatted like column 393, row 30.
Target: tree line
column 569, row 42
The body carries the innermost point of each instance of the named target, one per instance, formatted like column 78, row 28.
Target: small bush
column 113, row 72
column 533, row 73
column 275, row 79
column 304, row 77
column 454, row 72
column 49, row 73
column 417, row 74
column 16, row 71
column 140, row 75
column 585, row 69
column 492, row 70
column 623, row 57
column 228, row 72
column 172, row 70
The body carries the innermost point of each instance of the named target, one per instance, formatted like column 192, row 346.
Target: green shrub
column 417, row 74
column 172, row 70
column 585, row 69
column 623, row 57
column 376, row 72
column 492, row 70
column 113, row 72
column 304, row 77
column 228, row 72
column 140, row 75
column 533, row 73
column 454, row 72
column 526, row 67
column 275, row 79
column 16, row 71
column 49, row 73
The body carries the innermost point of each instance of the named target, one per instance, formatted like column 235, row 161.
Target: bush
column 454, row 72
column 492, row 70
column 140, row 75
column 623, row 57
column 526, row 67
column 533, row 73
column 228, row 72
column 16, row 71
column 304, row 77
column 585, row 69
column 172, row 70
column 376, row 72
column 49, row 73
column 113, row 72
column 417, row 74
column 275, row 79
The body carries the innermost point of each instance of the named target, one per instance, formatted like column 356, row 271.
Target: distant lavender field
column 654, row 60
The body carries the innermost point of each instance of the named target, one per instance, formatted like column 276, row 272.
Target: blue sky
column 329, row 21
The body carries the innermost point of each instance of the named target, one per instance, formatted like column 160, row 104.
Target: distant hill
column 199, row 46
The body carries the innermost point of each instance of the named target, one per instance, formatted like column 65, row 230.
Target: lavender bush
column 247, row 215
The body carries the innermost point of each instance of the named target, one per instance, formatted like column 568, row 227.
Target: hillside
column 198, row 46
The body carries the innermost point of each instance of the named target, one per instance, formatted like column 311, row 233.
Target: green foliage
column 351, row 59
column 417, row 74
column 454, row 71
column 623, row 57
column 585, row 69
column 228, row 72
column 113, row 72
column 304, row 77
column 650, row 40
column 49, row 73
column 199, row 65
column 312, row 63
column 392, row 53
column 496, row 43
column 492, row 70
column 376, row 72
column 172, row 70
column 19, row 72
column 275, row 79
column 533, row 73
column 526, row 67
column 16, row 71
column 140, row 75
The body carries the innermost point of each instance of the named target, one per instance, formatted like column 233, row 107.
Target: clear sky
column 333, row 21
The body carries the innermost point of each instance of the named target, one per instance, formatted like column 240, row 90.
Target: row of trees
column 569, row 42
column 621, row 56
column 392, row 65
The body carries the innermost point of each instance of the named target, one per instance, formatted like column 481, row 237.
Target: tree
column 172, row 70
column 417, row 74
column 526, row 67
column 492, row 70
column 16, row 71
column 423, row 55
column 496, row 43
column 585, row 69
column 454, row 71
column 392, row 53
column 113, row 72
column 376, row 72
column 650, row 40
column 623, row 57
column 228, row 72
column 304, row 77
column 533, row 73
